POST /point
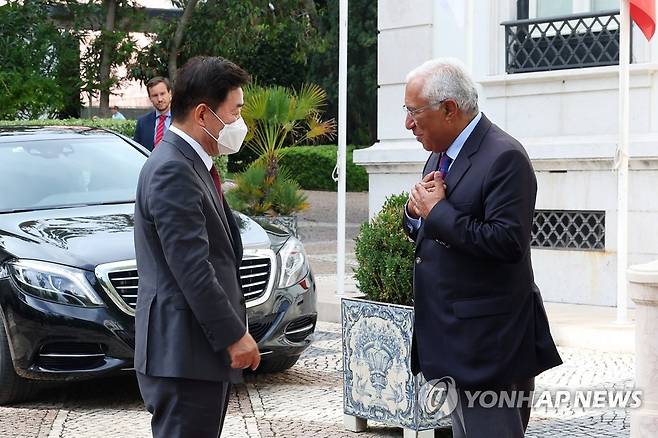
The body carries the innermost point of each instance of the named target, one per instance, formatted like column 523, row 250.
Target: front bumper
column 50, row 341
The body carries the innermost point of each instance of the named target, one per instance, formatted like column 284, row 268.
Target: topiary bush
column 312, row 167
column 385, row 255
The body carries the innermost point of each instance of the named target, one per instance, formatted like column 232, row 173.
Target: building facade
column 547, row 73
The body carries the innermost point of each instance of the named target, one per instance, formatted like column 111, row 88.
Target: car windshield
column 56, row 173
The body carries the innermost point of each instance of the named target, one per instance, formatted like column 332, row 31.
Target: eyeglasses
column 413, row 112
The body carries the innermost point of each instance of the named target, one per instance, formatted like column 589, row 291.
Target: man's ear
column 450, row 109
column 200, row 113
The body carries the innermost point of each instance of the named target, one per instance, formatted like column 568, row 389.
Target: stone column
column 643, row 289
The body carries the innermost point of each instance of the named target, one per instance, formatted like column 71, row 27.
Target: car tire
column 276, row 364
column 13, row 388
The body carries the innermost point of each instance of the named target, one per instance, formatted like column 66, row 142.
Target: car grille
column 254, row 277
column 125, row 283
column 121, row 279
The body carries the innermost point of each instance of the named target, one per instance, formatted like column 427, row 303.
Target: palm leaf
column 310, row 100
column 318, row 129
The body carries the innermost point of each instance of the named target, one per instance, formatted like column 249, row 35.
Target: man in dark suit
column 191, row 340
column 151, row 127
column 479, row 317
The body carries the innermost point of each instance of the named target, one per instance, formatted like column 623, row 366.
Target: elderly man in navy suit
column 479, row 317
column 151, row 127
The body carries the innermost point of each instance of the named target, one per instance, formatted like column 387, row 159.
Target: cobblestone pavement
column 305, row 401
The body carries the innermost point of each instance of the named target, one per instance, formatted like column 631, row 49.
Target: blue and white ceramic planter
column 377, row 380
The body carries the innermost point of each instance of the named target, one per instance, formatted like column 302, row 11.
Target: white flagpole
column 621, row 162
column 342, row 147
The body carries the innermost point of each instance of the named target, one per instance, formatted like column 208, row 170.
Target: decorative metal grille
column 569, row 229
column 556, row 43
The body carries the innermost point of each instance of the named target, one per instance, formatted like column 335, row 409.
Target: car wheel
column 13, row 388
column 276, row 364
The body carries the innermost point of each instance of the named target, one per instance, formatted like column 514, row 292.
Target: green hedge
column 125, row 127
column 312, row 166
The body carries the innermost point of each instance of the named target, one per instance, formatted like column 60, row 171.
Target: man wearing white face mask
column 191, row 338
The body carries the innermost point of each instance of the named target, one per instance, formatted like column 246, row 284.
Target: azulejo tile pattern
column 378, row 383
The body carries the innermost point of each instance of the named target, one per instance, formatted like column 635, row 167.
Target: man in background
column 116, row 115
column 151, row 127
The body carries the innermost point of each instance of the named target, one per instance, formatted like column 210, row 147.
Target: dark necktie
column 217, row 180
column 159, row 132
column 444, row 165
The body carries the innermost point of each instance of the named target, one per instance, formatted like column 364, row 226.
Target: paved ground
column 306, row 401
column 303, row 402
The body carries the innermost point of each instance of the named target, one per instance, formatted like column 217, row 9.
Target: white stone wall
column 567, row 120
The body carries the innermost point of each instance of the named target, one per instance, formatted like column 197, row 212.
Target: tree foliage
column 43, row 70
column 32, row 52
column 107, row 49
column 361, row 66
column 288, row 44
column 280, row 42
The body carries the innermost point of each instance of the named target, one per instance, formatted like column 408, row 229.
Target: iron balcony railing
column 556, row 43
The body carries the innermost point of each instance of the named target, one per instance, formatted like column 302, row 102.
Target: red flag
column 643, row 13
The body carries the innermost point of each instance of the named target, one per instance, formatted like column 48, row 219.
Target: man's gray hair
column 446, row 78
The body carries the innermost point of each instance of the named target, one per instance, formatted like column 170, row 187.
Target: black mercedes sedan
column 68, row 278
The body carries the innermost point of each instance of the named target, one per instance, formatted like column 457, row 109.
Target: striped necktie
column 159, row 133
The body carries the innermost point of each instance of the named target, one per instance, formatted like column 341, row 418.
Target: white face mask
column 230, row 138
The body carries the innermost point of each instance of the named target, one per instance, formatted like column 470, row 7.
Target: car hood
column 85, row 237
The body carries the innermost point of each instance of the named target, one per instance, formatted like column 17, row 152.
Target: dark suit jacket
column 479, row 316
column 190, row 306
column 145, row 130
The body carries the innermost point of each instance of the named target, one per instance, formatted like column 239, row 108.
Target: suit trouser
column 479, row 421
column 184, row 408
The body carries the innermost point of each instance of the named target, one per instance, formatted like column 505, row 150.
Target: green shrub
column 385, row 256
column 256, row 194
column 125, row 127
column 312, row 168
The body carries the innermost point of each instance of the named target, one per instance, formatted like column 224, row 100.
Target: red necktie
column 217, row 180
column 160, row 131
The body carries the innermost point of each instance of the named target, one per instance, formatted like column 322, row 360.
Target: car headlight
column 51, row 282
column 293, row 263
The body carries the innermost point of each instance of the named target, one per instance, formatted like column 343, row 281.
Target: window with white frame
column 551, row 8
column 561, row 34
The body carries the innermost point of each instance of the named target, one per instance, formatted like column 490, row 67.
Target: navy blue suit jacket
column 145, row 130
column 479, row 317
